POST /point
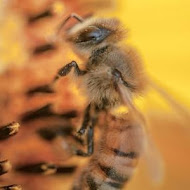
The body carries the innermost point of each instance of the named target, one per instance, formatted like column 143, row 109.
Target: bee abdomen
column 101, row 176
column 116, row 157
column 112, row 174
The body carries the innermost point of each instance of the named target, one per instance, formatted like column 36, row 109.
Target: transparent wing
column 153, row 161
column 182, row 111
column 151, row 155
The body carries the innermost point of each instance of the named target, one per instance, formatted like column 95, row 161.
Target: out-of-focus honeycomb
column 28, row 59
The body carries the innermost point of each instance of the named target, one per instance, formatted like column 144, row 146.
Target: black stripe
column 40, row 89
column 46, row 13
column 46, row 111
column 65, row 170
column 11, row 187
column 112, row 174
column 37, row 168
column 115, row 185
column 43, row 48
column 69, row 114
column 91, row 183
column 51, row 132
column 47, row 133
column 131, row 155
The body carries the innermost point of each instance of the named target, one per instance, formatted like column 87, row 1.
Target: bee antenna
column 72, row 15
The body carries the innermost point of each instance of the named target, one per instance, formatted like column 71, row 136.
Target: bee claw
column 81, row 132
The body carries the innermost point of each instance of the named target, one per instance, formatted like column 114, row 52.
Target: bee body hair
column 98, row 80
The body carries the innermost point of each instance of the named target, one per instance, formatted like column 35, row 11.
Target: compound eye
column 91, row 33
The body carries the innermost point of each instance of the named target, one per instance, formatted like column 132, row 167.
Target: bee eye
column 89, row 34
column 94, row 34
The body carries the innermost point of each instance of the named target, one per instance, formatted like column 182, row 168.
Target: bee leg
column 118, row 77
column 61, row 73
column 86, row 120
column 72, row 15
column 90, row 144
column 67, row 68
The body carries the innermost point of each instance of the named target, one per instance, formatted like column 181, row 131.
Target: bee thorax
column 100, row 88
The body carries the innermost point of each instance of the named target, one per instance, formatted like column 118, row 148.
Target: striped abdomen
column 113, row 163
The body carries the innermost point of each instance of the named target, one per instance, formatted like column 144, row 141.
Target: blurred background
column 158, row 29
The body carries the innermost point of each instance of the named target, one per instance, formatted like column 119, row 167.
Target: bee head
column 93, row 33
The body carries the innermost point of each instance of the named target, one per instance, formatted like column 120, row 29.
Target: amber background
column 160, row 31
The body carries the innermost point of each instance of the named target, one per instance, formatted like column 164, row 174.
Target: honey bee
column 109, row 67
column 112, row 76
column 113, row 72
column 108, row 63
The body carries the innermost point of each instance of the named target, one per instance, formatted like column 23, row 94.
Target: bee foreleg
column 90, row 144
column 61, row 73
column 67, row 68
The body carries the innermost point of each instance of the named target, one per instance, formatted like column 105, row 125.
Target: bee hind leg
column 90, row 144
column 86, row 120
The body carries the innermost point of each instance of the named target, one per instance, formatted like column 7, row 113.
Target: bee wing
column 127, row 100
column 152, row 157
column 153, row 161
column 125, row 94
column 175, row 105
